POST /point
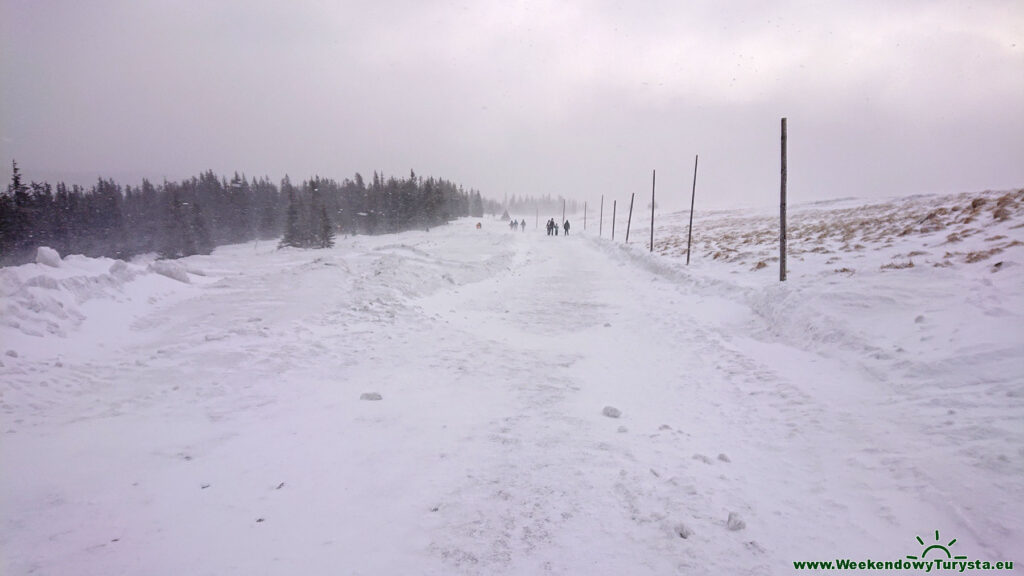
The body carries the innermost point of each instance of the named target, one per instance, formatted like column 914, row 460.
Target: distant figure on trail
column 478, row 226
column 566, row 226
column 523, row 224
column 550, row 226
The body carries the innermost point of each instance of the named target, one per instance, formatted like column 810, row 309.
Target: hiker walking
column 523, row 224
column 566, row 226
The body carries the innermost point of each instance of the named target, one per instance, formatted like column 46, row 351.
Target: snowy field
column 216, row 414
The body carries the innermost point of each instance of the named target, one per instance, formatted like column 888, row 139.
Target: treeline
column 194, row 216
column 524, row 205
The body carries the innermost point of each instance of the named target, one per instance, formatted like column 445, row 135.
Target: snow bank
column 51, row 297
column 171, row 269
column 906, row 313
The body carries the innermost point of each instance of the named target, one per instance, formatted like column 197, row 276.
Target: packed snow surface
column 208, row 415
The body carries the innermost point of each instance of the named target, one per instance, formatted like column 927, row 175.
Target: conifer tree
column 292, row 233
column 17, row 225
column 200, row 233
column 177, row 236
column 326, row 229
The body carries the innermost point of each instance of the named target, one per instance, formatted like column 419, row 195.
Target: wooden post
column 782, row 210
column 600, row 226
column 630, row 219
column 614, row 202
column 693, row 194
column 563, row 211
column 652, row 209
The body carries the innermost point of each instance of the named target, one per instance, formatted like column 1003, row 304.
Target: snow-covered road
column 216, row 427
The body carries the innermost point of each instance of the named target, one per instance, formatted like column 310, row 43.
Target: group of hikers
column 553, row 227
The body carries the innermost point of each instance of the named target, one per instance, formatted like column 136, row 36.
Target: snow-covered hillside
column 466, row 401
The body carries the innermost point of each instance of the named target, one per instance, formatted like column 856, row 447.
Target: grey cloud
column 580, row 99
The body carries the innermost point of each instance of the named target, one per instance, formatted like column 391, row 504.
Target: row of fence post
column 693, row 196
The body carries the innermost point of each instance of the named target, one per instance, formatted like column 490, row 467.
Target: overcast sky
column 883, row 97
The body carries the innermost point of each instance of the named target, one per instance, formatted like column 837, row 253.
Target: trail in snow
column 217, row 427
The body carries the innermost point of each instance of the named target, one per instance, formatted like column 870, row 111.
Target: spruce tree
column 18, row 221
column 176, row 237
column 292, row 233
column 203, row 243
column 326, row 229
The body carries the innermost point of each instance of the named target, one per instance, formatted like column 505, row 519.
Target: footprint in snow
column 734, row 522
column 682, row 530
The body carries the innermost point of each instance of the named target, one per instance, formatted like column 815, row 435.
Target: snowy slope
column 215, row 426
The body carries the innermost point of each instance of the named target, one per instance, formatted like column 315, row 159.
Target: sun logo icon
column 939, row 547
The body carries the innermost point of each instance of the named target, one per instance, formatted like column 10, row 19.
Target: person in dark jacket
column 566, row 226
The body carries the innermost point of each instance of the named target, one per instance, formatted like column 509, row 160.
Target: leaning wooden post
column 630, row 219
column 782, row 210
column 652, row 209
column 614, row 202
column 693, row 194
column 600, row 226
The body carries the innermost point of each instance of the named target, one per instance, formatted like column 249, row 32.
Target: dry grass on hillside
column 918, row 231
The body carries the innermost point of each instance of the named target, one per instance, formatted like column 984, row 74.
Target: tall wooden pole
column 693, row 194
column 782, row 210
column 614, row 202
column 630, row 219
column 653, row 174
column 600, row 226
column 563, row 211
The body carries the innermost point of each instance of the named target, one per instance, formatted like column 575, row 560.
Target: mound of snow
column 171, row 269
column 47, row 257
column 122, row 272
column 51, row 296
